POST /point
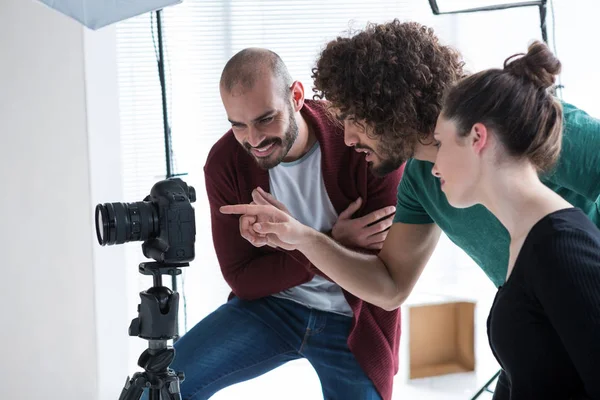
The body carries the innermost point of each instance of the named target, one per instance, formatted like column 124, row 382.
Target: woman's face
column 458, row 162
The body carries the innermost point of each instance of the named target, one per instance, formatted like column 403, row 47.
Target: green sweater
column 576, row 177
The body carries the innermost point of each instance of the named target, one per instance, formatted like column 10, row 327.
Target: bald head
column 252, row 65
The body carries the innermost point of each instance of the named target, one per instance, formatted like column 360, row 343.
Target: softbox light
column 440, row 7
column 96, row 14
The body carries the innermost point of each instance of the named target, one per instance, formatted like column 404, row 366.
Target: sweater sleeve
column 381, row 191
column 251, row 272
column 566, row 282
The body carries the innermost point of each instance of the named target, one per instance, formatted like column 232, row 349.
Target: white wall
column 64, row 328
column 111, row 273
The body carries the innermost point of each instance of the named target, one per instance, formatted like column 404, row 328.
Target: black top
column 544, row 325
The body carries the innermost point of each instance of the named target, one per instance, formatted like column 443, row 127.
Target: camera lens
column 118, row 223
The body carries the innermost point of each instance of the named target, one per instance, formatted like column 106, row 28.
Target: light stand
column 160, row 61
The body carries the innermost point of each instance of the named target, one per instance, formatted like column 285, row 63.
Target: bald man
column 285, row 150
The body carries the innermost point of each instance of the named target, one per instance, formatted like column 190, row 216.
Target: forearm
column 266, row 275
column 364, row 275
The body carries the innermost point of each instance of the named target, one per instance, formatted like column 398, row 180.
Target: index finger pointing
column 234, row 209
column 247, row 209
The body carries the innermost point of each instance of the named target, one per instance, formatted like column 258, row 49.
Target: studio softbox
column 96, row 14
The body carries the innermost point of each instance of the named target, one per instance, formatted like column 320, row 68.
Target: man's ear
column 479, row 137
column 297, row 90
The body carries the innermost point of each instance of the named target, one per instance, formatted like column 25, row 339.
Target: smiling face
column 262, row 120
column 381, row 160
column 458, row 163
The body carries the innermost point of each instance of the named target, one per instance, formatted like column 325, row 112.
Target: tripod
column 156, row 322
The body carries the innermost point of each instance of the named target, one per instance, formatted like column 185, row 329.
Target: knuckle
column 374, row 217
column 381, row 226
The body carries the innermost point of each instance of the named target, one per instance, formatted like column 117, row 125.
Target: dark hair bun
column 539, row 65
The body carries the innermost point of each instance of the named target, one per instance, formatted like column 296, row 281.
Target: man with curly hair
column 386, row 85
column 388, row 81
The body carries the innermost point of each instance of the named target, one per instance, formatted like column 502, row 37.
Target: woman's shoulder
column 563, row 238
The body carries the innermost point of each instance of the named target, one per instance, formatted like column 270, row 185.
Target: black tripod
column 157, row 323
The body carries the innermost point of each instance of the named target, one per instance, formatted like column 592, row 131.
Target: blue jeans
column 242, row 340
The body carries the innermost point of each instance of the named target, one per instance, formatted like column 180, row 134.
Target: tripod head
column 158, row 309
column 157, row 323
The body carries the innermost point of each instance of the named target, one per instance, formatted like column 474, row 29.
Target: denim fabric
column 242, row 340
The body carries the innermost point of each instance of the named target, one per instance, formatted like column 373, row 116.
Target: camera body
column 176, row 222
column 164, row 221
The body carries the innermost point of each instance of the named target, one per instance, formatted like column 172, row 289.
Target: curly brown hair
column 393, row 76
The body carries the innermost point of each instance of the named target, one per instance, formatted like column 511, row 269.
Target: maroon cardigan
column 231, row 174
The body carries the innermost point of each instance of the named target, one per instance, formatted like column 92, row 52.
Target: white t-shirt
column 299, row 185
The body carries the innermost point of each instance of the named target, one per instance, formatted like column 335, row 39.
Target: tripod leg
column 155, row 394
column 134, row 387
column 167, row 392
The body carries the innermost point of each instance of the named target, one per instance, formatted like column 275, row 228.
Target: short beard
column 392, row 158
column 284, row 144
column 387, row 166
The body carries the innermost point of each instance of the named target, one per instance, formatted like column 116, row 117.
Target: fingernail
column 257, row 227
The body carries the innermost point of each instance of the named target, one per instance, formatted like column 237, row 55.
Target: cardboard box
column 439, row 336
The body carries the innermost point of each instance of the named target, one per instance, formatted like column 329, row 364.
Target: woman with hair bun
column 499, row 131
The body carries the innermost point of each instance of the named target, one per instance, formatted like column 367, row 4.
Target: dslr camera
column 164, row 221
